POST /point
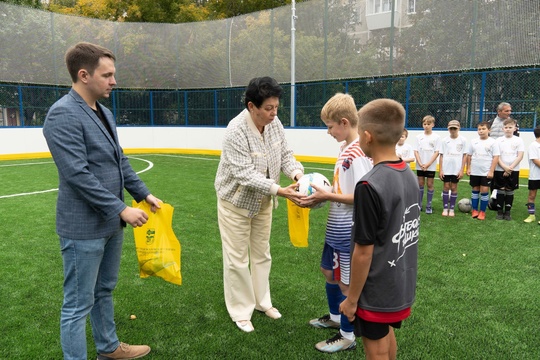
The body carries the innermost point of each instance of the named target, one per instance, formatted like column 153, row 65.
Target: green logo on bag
column 150, row 236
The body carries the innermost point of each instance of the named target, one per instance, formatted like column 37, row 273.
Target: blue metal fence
column 469, row 97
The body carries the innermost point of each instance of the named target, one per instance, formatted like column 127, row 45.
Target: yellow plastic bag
column 158, row 249
column 298, row 224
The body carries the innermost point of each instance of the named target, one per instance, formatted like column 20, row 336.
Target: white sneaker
column 273, row 313
column 245, row 325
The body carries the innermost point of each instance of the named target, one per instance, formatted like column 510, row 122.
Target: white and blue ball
column 305, row 188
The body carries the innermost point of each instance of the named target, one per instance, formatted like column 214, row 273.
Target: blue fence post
column 186, row 122
column 407, row 98
column 151, row 108
column 216, row 112
column 482, row 97
column 21, row 107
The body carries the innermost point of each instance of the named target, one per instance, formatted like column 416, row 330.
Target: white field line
column 150, row 166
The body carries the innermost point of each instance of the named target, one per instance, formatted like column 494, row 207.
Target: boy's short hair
column 338, row 107
column 537, row 132
column 85, row 55
column 406, row 132
column 385, row 120
column 509, row 121
column 429, row 119
column 483, row 123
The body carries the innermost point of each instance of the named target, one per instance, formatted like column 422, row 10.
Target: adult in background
column 504, row 110
column 90, row 213
column 254, row 154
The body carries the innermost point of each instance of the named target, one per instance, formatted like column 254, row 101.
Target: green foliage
column 477, row 288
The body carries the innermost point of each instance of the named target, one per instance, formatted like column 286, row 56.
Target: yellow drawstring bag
column 158, row 249
column 298, row 218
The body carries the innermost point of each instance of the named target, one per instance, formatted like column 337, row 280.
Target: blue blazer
column 92, row 169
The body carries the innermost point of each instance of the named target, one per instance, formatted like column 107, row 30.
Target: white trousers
column 246, row 259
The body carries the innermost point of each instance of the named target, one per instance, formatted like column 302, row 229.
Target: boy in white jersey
column 405, row 151
column 426, row 153
column 452, row 160
column 506, row 178
column 482, row 158
column 534, row 174
column 340, row 116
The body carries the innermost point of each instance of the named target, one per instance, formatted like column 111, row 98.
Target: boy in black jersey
column 384, row 241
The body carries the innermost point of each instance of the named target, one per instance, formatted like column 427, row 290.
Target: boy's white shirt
column 452, row 151
column 405, row 151
column 482, row 152
column 534, row 154
column 426, row 146
column 509, row 148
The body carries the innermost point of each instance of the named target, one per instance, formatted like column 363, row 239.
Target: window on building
column 379, row 6
column 411, row 6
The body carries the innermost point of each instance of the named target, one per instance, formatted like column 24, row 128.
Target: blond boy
column 426, row 153
column 340, row 116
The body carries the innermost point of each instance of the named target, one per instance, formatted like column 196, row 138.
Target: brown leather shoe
column 126, row 351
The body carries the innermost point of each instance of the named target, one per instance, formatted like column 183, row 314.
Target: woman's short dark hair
column 260, row 89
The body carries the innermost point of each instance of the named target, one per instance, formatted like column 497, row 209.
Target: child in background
column 534, row 175
column 340, row 116
column 426, row 153
column 385, row 234
column 405, row 151
column 452, row 160
column 506, row 178
column 482, row 158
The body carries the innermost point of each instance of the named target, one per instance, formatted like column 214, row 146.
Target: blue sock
column 334, row 297
column 484, row 198
column 474, row 199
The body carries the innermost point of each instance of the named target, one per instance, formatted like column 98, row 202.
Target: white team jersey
column 452, row 151
column 509, row 148
column 350, row 167
column 482, row 152
column 427, row 145
column 534, row 153
column 404, row 151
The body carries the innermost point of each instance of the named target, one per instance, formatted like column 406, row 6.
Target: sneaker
column 507, row 216
column 273, row 313
column 530, row 219
column 245, row 325
column 335, row 344
column 474, row 214
column 429, row 210
column 445, row 212
column 481, row 215
column 324, row 322
column 126, row 351
column 500, row 216
column 451, row 213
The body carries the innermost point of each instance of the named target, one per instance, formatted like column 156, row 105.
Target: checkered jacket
column 251, row 163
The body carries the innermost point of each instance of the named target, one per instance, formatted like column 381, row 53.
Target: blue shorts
column 337, row 261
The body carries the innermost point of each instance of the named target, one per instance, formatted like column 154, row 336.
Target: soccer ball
column 464, row 205
column 305, row 188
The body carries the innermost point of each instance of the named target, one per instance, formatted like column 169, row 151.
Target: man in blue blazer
column 91, row 214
